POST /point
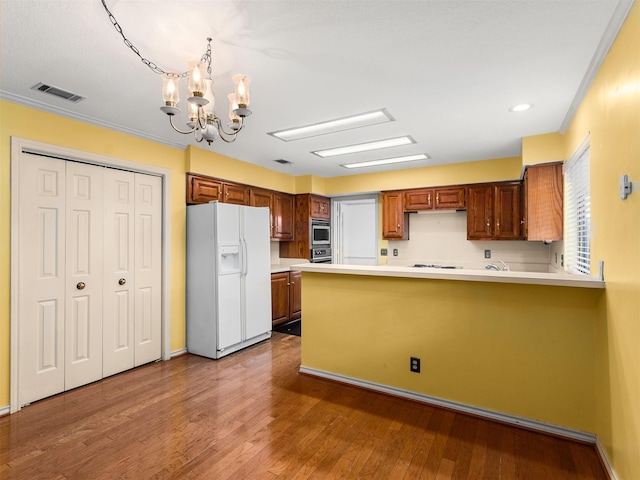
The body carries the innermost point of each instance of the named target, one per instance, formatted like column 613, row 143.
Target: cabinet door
column 295, row 295
column 283, row 216
column 452, row 198
column 394, row 221
column 543, row 202
column 262, row 198
column 236, row 194
column 507, row 212
column 419, row 199
column 279, row 298
column 480, row 213
column 202, row 189
column 320, row 207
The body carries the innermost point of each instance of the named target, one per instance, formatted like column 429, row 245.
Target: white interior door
column 356, row 231
column 84, row 236
column 148, row 268
column 119, row 271
column 41, row 279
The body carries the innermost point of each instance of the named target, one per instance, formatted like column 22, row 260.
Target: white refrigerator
column 228, row 278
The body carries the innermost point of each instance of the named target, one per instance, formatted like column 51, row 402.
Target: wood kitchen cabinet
column 307, row 207
column 438, row 198
column 395, row 222
column 280, row 208
column 493, row 212
column 286, row 298
column 203, row 189
column 283, row 216
column 320, row 207
column 543, row 196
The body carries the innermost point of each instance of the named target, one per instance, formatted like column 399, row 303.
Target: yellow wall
column 459, row 173
column 611, row 112
column 518, row 349
column 207, row 162
column 543, row 148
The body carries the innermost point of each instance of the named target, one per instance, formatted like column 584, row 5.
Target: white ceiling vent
column 58, row 92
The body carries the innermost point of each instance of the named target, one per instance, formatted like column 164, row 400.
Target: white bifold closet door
column 89, row 274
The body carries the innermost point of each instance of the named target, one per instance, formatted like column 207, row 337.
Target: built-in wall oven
column 320, row 239
column 321, row 255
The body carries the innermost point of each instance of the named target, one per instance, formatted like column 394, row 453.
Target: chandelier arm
column 221, row 135
column 233, row 133
column 177, row 129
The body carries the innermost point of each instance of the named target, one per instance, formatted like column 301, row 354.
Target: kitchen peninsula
column 517, row 346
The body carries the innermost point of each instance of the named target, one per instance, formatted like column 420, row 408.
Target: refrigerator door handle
column 243, row 260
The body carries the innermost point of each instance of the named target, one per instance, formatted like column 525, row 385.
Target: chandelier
column 203, row 121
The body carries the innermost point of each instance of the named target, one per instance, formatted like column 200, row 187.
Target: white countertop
column 284, row 264
column 469, row 275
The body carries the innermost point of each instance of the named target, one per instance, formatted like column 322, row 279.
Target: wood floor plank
column 251, row 415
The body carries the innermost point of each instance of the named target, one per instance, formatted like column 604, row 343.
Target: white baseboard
column 605, row 461
column 460, row 407
column 5, row 410
column 177, row 353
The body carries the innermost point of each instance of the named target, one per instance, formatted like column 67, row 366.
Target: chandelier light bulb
column 242, row 96
column 197, row 85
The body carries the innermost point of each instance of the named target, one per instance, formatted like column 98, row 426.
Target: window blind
column 577, row 212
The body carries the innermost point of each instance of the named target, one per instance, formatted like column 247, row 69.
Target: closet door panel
column 41, row 284
column 119, row 272
column 148, row 268
column 84, row 245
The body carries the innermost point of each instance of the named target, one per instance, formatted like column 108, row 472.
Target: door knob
column 122, row 281
column 80, row 286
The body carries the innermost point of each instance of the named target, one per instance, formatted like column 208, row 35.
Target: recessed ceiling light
column 332, row 126
column 386, row 161
column 365, row 147
column 520, row 108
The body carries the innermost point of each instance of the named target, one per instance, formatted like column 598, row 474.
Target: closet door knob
column 122, row 281
column 80, row 286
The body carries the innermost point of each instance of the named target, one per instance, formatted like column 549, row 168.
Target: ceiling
column 447, row 71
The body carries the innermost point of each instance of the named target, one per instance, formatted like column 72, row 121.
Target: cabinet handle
column 438, row 199
column 428, row 199
column 398, row 226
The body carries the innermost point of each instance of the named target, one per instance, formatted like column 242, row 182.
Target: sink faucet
column 493, row 266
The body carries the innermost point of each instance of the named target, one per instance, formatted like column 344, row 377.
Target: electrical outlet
column 487, row 254
column 415, row 365
column 395, row 252
column 383, row 252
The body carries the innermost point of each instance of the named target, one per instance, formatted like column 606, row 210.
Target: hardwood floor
column 251, row 415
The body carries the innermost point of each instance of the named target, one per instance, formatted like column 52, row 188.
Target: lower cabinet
column 286, row 298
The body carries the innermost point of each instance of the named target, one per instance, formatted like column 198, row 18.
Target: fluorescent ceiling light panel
column 332, row 126
column 365, row 147
column 386, row 161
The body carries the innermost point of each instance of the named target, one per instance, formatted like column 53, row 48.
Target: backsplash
column 441, row 237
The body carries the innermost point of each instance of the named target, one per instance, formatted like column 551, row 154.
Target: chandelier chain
column 154, row 68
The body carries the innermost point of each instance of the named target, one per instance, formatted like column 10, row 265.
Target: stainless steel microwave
column 320, row 232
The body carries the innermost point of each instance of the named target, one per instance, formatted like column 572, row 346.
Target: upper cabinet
column 203, row 189
column 439, row 198
column 320, row 207
column 282, row 216
column 395, row 222
column 493, row 212
column 543, row 202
